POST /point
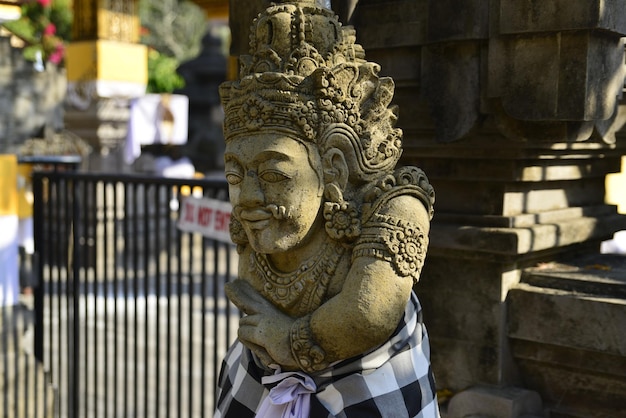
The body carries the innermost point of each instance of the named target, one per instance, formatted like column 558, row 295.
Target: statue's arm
column 367, row 310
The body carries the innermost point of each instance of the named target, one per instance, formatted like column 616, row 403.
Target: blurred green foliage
column 173, row 31
column 44, row 26
column 162, row 75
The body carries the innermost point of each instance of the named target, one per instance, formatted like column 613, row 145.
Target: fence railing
column 24, row 388
column 130, row 315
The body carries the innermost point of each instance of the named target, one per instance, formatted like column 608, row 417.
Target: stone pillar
column 30, row 101
column 345, row 10
column 513, row 111
column 203, row 75
column 106, row 66
column 240, row 19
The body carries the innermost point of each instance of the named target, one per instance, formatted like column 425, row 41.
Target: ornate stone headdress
column 306, row 77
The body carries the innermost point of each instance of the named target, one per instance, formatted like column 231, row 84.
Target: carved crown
column 306, row 77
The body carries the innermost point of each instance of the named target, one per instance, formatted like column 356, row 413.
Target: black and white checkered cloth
column 393, row 381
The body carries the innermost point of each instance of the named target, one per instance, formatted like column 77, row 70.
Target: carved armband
column 399, row 242
column 309, row 356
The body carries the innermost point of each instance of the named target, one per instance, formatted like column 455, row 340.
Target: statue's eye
column 273, row 176
column 233, row 178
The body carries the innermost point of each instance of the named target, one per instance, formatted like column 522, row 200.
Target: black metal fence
column 130, row 315
column 24, row 388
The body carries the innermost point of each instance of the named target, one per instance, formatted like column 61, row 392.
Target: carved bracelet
column 309, row 356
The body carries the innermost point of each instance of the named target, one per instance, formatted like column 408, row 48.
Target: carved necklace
column 299, row 292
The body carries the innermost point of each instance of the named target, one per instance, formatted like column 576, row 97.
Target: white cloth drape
column 9, row 277
column 156, row 119
column 290, row 398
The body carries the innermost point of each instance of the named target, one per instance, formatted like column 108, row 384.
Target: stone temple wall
column 29, row 99
column 515, row 110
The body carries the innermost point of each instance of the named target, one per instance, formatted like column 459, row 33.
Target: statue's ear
column 335, row 168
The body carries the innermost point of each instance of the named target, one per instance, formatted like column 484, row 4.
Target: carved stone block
column 496, row 402
column 566, row 325
column 391, row 24
column 576, row 76
column 561, row 15
column 453, row 20
column 451, row 83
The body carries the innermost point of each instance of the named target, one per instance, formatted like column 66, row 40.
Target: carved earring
column 343, row 222
column 237, row 234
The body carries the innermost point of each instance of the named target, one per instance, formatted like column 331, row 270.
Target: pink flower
column 50, row 29
column 57, row 55
column 44, row 3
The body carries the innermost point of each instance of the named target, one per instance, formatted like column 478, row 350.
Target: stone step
column 494, row 402
column 567, row 332
column 598, row 275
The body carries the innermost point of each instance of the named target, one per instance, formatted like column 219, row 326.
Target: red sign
column 205, row 216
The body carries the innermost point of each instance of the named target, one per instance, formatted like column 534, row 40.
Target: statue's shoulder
column 394, row 194
column 395, row 221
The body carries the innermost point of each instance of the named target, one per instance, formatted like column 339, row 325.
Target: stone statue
column 331, row 236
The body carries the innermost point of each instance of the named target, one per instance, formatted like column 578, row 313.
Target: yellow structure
column 8, row 185
column 214, row 9
column 105, row 53
column 117, row 68
column 9, row 10
column 25, row 191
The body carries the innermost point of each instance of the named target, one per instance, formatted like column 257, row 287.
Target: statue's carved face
column 275, row 190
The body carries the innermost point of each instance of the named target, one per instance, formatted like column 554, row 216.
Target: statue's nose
column 251, row 193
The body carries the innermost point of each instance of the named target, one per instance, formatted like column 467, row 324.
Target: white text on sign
column 205, row 216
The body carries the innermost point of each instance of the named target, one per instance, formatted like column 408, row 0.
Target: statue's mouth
column 256, row 219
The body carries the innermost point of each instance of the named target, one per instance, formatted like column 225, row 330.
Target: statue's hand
column 265, row 329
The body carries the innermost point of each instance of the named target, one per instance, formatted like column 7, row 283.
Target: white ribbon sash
column 291, row 398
